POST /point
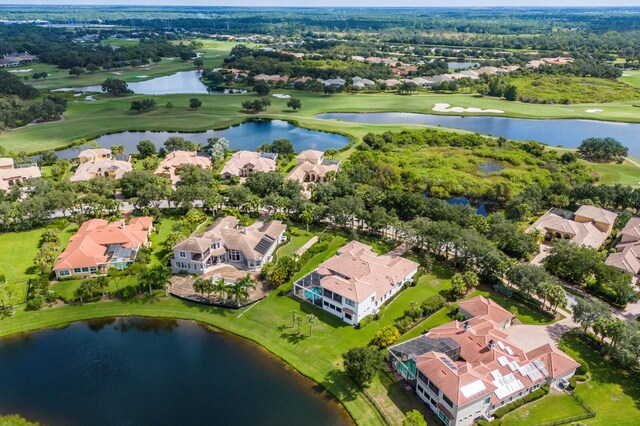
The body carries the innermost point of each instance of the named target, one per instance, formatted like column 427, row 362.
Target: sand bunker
column 281, row 96
column 142, row 76
column 28, row 70
column 449, row 108
column 117, row 73
column 593, row 111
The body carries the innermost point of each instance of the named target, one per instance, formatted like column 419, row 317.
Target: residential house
column 11, row 175
column 589, row 226
column 336, row 82
column 311, row 166
column 99, row 245
column 627, row 255
column 362, row 83
column 243, row 163
column 94, row 154
column 176, row 160
column 100, row 162
column 16, row 59
column 273, row 79
column 226, row 242
column 355, row 282
column 465, row 371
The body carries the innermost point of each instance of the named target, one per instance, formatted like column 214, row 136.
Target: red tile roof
column 87, row 248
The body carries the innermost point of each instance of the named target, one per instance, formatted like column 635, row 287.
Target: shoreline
column 112, row 308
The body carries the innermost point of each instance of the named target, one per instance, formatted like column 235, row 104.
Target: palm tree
column 307, row 215
column 200, row 285
column 220, row 287
column 158, row 277
column 311, row 320
column 295, row 315
column 240, row 289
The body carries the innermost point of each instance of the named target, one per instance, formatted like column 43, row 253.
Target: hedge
column 537, row 394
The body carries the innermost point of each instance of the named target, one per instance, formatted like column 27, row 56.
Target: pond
column 183, row 82
column 568, row 133
column 246, row 136
column 134, row 371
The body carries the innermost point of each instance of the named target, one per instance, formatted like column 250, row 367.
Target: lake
column 136, row 371
column 246, row 136
column 183, row 82
column 457, row 66
column 568, row 133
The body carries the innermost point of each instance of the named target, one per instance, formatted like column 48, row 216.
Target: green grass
column 107, row 115
column 526, row 315
column 631, row 77
column 295, row 241
column 560, row 89
column 66, row 289
column 18, row 251
column 611, row 174
column 612, row 392
column 548, row 409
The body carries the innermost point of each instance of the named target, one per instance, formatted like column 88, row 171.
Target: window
column 93, row 269
column 447, row 401
column 182, row 254
column 433, row 388
column 349, row 302
column 234, row 255
column 64, row 273
column 77, row 270
column 487, row 401
column 347, row 316
column 85, row 269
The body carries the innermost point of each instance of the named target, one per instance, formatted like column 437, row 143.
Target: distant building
column 465, row 371
column 99, row 245
column 16, row 59
column 176, row 160
column 10, row 176
column 243, row 163
column 355, row 282
column 226, row 242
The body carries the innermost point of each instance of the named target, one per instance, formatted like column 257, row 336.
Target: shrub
column 403, row 324
column 127, row 293
column 365, row 321
column 385, row 337
column 583, row 369
column 432, row 304
column 535, row 395
column 35, row 303
column 3, row 276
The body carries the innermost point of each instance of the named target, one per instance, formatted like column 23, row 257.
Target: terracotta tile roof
column 88, row 247
column 482, row 307
column 178, row 159
column 356, row 272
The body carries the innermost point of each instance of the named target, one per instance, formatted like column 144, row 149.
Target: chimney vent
column 466, row 326
column 491, row 344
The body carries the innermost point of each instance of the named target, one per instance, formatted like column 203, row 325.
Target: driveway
column 528, row 337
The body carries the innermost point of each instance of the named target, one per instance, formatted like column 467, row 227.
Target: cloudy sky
column 340, row 3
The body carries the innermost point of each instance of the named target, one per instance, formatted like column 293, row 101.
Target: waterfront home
column 227, row 242
column 465, row 371
column 99, row 245
column 362, row 83
column 355, row 282
column 627, row 255
column 243, row 163
column 176, row 160
column 94, row 154
column 588, row 226
column 10, row 175
column 311, row 166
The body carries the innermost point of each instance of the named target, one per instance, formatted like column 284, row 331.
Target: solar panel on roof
column 538, row 363
column 448, row 363
column 513, row 365
column 534, row 375
column 472, row 388
column 509, row 351
column 501, row 345
column 264, row 244
column 496, row 374
column 503, row 360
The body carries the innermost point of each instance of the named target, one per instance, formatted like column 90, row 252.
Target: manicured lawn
column 612, row 392
column 631, row 77
column 547, row 409
column 66, row 289
column 163, row 229
column 611, row 174
column 296, row 241
column 18, row 251
column 108, row 114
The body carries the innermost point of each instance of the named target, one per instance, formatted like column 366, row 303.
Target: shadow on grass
column 294, row 338
column 340, row 385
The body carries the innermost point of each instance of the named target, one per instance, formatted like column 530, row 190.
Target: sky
column 338, row 3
